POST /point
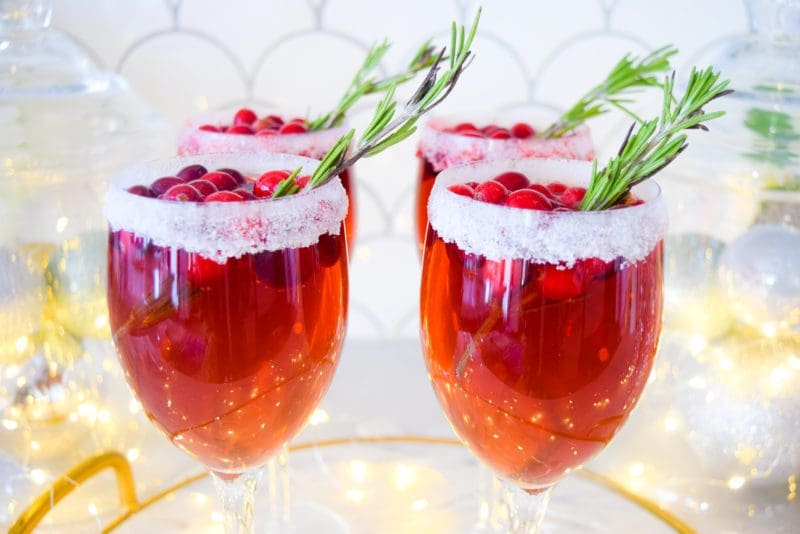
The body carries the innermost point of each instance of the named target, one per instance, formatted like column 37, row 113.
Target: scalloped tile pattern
column 188, row 56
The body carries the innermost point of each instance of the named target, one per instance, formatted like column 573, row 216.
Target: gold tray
column 440, row 468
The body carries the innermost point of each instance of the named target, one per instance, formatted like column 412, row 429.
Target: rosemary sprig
column 385, row 129
column 627, row 76
column 652, row 145
column 363, row 84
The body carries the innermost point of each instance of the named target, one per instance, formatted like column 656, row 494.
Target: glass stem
column 279, row 493
column 525, row 508
column 237, row 493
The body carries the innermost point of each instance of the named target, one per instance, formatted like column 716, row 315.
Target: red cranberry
column 329, row 250
column 522, row 130
column 512, row 180
column 244, row 117
column 529, row 199
column 283, row 269
column 561, row 284
column 465, row 126
column 244, row 194
column 209, row 128
column 204, row 186
column 572, row 197
column 293, row 128
column 200, row 270
column 191, row 172
column 473, row 185
column 267, row 182
column 302, row 181
column 491, row 192
column 239, row 177
column 556, row 188
column 141, row 191
column 543, row 190
column 224, row 196
column 266, row 132
column 240, row 130
column 471, row 133
column 500, row 133
column 271, row 122
column 160, row 186
column 182, row 193
column 223, row 180
column 462, row 189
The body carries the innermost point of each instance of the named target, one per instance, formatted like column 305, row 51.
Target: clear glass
column 439, row 150
column 228, row 356
column 538, row 362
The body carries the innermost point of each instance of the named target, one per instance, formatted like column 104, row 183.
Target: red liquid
column 350, row 218
column 427, row 177
column 536, row 385
column 228, row 361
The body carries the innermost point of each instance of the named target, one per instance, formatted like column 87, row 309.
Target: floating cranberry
column 491, row 192
column 204, row 186
column 191, row 172
column 556, row 188
column 543, row 190
column 471, row 133
column 512, row 180
column 558, row 283
column 266, row 132
column 500, row 133
column 223, row 180
column 284, row 269
column 473, row 185
column 244, row 194
column 462, row 189
column 572, row 197
column 239, row 177
column 465, row 126
column 529, row 199
column 224, row 196
column 244, row 117
column 267, row 182
column 141, row 191
column 209, row 128
column 302, row 181
column 329, row 249
column 182, row 193
column 200, row 270
column 240, row 130
column 160, row 186
column 271, row 122
column 522, row 130
column 293, row 128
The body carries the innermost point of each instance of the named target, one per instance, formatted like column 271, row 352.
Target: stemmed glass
column 539, row 328
column 228, row 317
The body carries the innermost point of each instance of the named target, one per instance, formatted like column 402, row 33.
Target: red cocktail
column 277, row 132
column 539, row 322
column 228, row 311
column 449, row 141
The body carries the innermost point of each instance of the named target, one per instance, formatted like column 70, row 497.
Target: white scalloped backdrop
column 187, row 57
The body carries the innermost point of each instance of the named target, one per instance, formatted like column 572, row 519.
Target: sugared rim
column 192, row 140
column 448, row 149
column 221, row 230
column 499, row 232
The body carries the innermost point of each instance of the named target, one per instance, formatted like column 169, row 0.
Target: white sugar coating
column 192, row 140
column 499, row 232
column 445, row 149
column 221, row 230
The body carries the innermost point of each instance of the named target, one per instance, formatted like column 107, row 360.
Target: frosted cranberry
column 141, row 191
column 465, row 126
column 267, row 182
column 560, row 283
column 223, row 196
column 204, row 186
column 491, row 192
column 529, row 199
column 266, row 132
column 223, row 180
column 500, row 133
column 160, row 186
column 191, row 172
column 512, row 180
column 462, row 189
column 244, row 117
column 239, row 177
column 572, row 197
column 293, row 128
column 244, row 194
column 209, row 128
column 302, row 181
column 240, row 130
column 556, row 188
column 522, row 130
column 182, row 193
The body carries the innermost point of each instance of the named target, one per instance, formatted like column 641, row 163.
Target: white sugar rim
column 448, row 149
column 192, row 140
column 499, row 232
column 221, row 230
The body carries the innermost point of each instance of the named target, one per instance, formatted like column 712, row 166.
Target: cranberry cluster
column 246, row 122
column 195, row 183
column 513, row 189
column 520, row 130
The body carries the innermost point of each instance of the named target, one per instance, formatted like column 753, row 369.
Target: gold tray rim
column 132, row 505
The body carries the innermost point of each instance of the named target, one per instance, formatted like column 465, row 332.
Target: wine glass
column 539, row 328
column 450, row 140
column 228, row 317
